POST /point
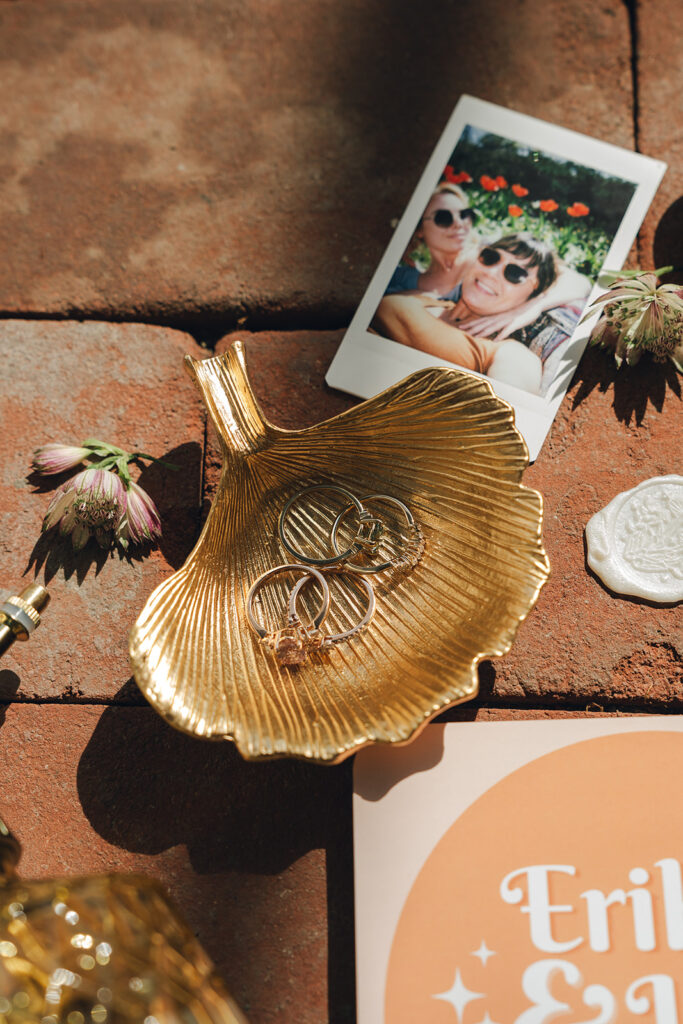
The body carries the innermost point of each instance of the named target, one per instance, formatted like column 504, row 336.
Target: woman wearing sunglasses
column 504, row 277
column 446, row 235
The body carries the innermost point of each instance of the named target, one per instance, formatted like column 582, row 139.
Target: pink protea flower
column 140, row 521
column 92, row 502
column 101, row 500
column 57, row 458
column 639, row 315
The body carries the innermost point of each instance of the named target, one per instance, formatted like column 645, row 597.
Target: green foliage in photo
column 574, row 209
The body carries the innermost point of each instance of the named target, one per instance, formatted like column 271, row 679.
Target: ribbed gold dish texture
column 107, row 949
column 441, row 442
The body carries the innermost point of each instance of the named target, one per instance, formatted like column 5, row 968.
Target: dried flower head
column 57, row 458
column 140, row 521
column 91, row 503
column 638, row 315
column 102, row 500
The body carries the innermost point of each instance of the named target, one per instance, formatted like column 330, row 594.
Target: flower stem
column 153, row 458
column 116, row 457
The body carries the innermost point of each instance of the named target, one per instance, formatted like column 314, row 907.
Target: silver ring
column 263, row 633
column 339, row 557
column 391, row 563
column 335, row 638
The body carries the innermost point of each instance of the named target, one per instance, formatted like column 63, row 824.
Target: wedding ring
column 330, row 639
column 369, row 527
column 391, row 563
column 259, row 630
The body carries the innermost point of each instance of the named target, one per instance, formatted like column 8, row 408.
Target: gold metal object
column 292, row 643
column 20, row 614
column 337, row 557
column 107, row 949
column 327, row 641
column 442, row 443
column 413, row 545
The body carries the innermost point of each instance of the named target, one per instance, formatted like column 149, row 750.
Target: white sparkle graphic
column 484, row 953
column 487, row 1019
column 458, row 995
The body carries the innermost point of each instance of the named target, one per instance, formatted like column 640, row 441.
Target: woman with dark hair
column 504, row 276
column 445, row 240
column 444, row 246
column 567, row 288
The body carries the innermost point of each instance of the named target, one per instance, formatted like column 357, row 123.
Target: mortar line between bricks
column 591, row 706
column 632, row 7
column 633, row 10
column 85, row 702
column 206, row 328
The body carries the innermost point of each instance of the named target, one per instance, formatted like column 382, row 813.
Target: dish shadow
column 145, row 787
column 231, row 815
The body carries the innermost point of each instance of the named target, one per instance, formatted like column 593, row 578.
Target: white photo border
column 367, row 363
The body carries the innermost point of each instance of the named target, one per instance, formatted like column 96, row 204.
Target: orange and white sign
column 522, row 873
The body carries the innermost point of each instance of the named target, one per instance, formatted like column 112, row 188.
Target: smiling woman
column 441, row 247
column 503, row 277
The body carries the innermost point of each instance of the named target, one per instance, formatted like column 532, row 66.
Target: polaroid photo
column 495, row 260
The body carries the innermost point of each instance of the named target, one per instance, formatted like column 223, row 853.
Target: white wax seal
column 635, row 544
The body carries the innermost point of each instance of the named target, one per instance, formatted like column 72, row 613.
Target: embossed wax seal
column 635, row 544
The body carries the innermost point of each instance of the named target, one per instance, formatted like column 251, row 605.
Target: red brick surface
column 660, row 86
column 236, row 845
column 233, row 164
column 257, row 857
column 174, row 159
column 583, row 643
column 120, row 383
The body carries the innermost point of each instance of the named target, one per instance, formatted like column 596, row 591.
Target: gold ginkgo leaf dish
column 441, row 442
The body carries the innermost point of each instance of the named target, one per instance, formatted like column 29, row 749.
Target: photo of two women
column 500, row 266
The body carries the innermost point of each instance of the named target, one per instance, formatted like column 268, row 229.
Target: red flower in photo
column 515, row 211
column 490, row 184
column 548, row 205
column 520, row 191
column 501, row 182
column 578, row 210
column 456, row 179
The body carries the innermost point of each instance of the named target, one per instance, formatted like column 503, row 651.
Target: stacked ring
column 339, row 556
column 391, row 563
column 292, row 643
column 329, row 639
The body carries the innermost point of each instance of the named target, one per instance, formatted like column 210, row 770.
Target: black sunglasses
column 512, row 272
column 444, row 218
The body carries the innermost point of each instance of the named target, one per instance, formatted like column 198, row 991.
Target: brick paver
column 237, row 846
column 582, row 643
column 125, row 384
column 660, row 85
column 234, row 166
column 257, row 857
column 171, row 160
